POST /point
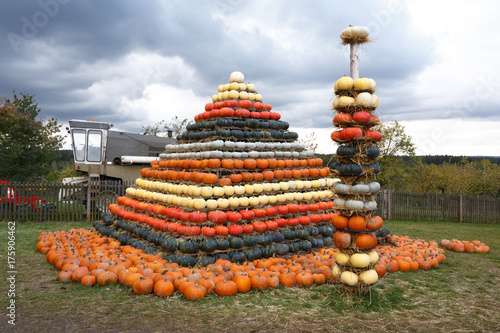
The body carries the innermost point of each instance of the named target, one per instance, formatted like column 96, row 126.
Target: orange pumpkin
column 365, row 241
column 194, row 292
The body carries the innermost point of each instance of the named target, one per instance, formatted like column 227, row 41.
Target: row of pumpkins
column 237, row 186
column 356, row 167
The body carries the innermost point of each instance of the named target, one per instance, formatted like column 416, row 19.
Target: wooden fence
column 22, row 201
column 67, row 202
column 438, row 207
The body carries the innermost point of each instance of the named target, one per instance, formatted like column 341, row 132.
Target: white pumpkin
column 364, row 99
column 362, row 83
column 336, row 271
column 234, row 94
column 234, row 202
column 249, row 189
column 263, row 199
column 307, row 196
column 258, row 188
column 253, row 201
column 244, row 95
column 237, row 77
column 222, row 203
column 354, row 204
column 342, row 258
column 360, row 260
column 341, row 188
column 239, row 189
column 207, row 191
column 374, row 101
column 273, row 199
column 244, row 201
column 373, row 257
column 349, row 278
column 370, row 205
column 345, row 102
column 345, row 82
column 218, row 191
column 199, row 204
column 374, row 187
column 339, row 203
column 369, row 277
column 360, row 189
column 211, row 204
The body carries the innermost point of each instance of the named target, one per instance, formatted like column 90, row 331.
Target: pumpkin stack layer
column 356, row 168
column 237, row 185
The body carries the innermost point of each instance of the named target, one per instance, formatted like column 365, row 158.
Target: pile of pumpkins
column 237, row 186
column 461, row 246
column 357, row 224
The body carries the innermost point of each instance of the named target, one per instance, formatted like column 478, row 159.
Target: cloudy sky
column 134, row 63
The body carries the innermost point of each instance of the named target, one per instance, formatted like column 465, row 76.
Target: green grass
column 462, row 295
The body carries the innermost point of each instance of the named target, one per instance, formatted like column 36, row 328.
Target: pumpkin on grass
column 163, row 288
column 194, row 292
column 144, row 285
column 88, row 280
column 226, row 288
column 106, row 277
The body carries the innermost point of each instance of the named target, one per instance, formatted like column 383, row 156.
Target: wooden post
column 354, row 61
column 460, row 209
column 389, row 204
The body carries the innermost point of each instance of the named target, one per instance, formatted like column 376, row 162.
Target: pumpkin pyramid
column 237, row 185
column 356, row 167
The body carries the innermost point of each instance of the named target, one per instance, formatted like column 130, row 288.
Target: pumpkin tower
column 355, row 166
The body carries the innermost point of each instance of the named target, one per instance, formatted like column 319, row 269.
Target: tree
column 29, row 146
column 176, row 125
column 395, row 142
column 310, row 141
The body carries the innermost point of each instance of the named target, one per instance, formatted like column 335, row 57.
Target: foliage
column 176, row 125
column 29, row 146
column 479, row 177
column 395, row 142
column 58, row 175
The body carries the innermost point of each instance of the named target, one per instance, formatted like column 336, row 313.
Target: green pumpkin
column 250, row 241
column 205, row 261
column 302, row 233
column 237, row 256
column 252, row 123
column 282, row 249
column 277, row 134
column 371, row 152
column 284, row 125
column 289, row 234
column 208, row 245
column 278, row 238
column 236, row 242
column 317, row 242
column 237, row 134
column 222, row 244
column 189, row 247
column 306, row 246
column 346, row 151
column 350, row 169
column 264, row 125
column 256, row 135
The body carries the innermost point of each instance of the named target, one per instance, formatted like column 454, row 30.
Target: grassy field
column 462, row 295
